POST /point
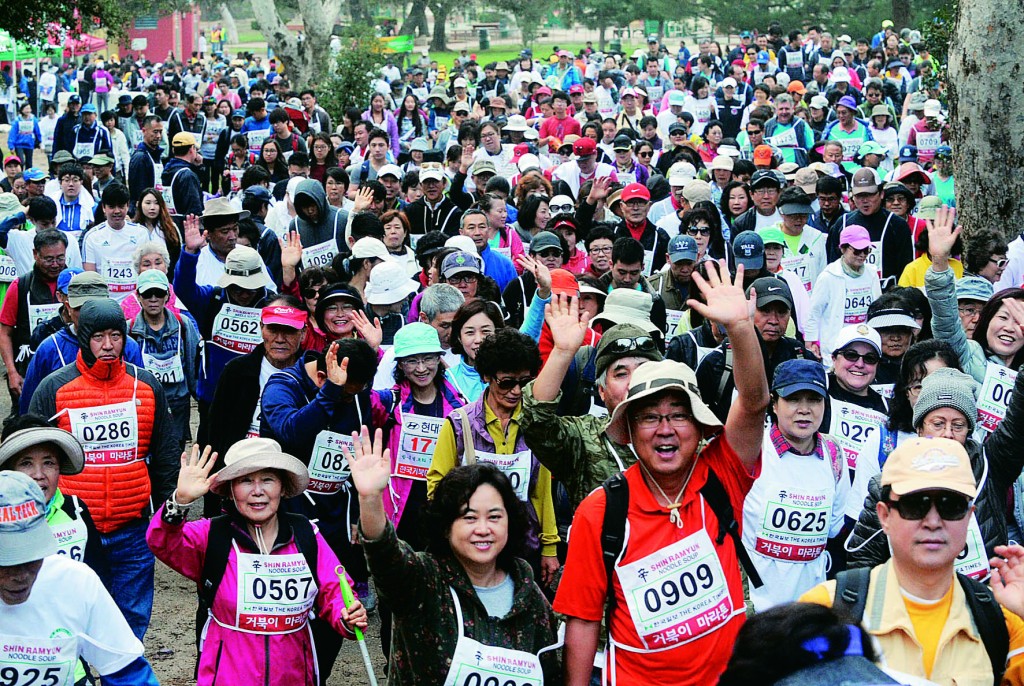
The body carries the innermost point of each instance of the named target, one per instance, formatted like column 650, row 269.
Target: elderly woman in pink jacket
column 263, row 572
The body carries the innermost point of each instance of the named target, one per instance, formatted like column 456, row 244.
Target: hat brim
column 860, row 339
column 76, row 301
column 773, row 298
column 618, row 429
column 794, row 208
column 74, row 455
column 888, row 321
column 390, row 296
column 296, row 476
column 792, row 388
column 28, row 545
column 924, row 484
column 253, row 282
column 682, row 256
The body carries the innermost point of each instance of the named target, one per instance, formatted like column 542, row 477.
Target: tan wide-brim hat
column 652, row 378
column 251, row 455
column 72, row 457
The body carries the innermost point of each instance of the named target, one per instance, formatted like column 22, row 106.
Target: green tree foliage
column 349, row 82
column 28, row 21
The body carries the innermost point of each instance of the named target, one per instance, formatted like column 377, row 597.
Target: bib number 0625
column 807, row 522
column 671, row 592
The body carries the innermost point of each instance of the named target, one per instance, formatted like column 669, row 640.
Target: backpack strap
column 468, row 449
column 989, row 621
column 726, row 371
column 613, row 529
column 715, row 496
column 834, row 455
column 305, row 539
column 852, row 592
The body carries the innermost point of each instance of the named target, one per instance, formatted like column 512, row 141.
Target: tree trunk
column 600, row 37
column 360, row 14
column 416, row 21
column 302, row 60
column 901, row 13
column 984, row 85
column 439, row 43
column 229, row 23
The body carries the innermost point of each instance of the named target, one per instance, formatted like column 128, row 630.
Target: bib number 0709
column 689, row 584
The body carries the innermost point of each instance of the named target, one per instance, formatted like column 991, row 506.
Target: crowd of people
column 564, row 368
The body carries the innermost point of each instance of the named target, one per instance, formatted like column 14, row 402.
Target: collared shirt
column 783, row 446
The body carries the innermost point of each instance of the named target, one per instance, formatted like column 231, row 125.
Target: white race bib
column 320, row 255
column 785, row 139
column 38, row 661
column 119, row 271
column 874, row 258
column 257, row 139
column 237, row 329
column 38, row 314
column 648, row 262
column 517, row 467
column 83, row 149
column 677, row 594
column 973, row 559
column 416, row 447
column 167, row 371
column 109, row 433
column 26, row 127
column 856, row 301
column 794, row 525
column 857, row 430
column 798, row 264
column 928, row 141
column 236, row 179
column 8, row 273
column 994, row 398
column 70, row 538
column 672, row 319
column 328, row 468
column 275, row 593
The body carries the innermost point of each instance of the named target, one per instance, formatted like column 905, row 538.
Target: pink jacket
column 236, row 657
column 397, row 494
column 509, row 238
column 131, row 306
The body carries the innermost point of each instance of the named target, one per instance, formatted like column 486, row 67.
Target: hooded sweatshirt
column 183, row 180
column 314, row 235
column 839, row 299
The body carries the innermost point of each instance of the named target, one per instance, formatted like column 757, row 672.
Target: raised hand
column 727, row 304
column 466, row 161
column 599, row 189
column 1016, row 310
column 540, row 272
column 370, row 465
column 194, row 479
column 1007, row 580
column 942, row 233
column 337, row 372
column 568, row 328
column 371, row 333
column 291, row 249
column 363, row 200
column 194, row 238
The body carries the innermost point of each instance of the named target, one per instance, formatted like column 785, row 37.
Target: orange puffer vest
column 117, row 494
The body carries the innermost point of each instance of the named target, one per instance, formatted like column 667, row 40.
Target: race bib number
column 328, row 468
column 857, row 430
column 37, row 661
column 795, row 526
column 784, row 139
column 798, row 265
column 320, row 255
column 257, row 139
column 678, row 593
column 26, row 127
column 167, row 371
column 109, row 433
column 494, row 670
column 236, row 179
column 994, row 398
column 416, row 451
column 516, row 467
column 8, row 270
column 648, row 262
column 70, row 538
column 101, row 82
column 275, row 593
column 928, row 141
column 237, row 329
column 83, row 149
column 672, row 319
column 38, row 314
column 850, row 148
column 874, row 258
column 973, row 560
column 855, row 305
column 120, row 274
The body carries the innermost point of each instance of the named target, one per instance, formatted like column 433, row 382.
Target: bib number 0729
column 688, row 586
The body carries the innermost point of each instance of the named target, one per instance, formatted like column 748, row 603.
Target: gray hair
column 148, row 248
column 441, row 298
column 783, row 97
column 602, row 380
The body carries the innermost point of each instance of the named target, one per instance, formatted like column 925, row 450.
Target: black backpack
column 218, row 547
column 852, row 597
column 613, row 529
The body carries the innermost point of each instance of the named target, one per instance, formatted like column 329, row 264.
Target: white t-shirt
column 68, row 599
column 209, row 269
column 111, row 251
column 763, row 222
column 20, row 246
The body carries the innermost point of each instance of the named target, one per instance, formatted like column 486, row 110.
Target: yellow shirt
column 942, row 649
column 447, row 458
column 913, row 273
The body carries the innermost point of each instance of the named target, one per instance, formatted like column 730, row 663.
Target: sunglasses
column 645, row 154
column 310, row 293
column 627, row 345
column 510, row 383
column 915, row 506
column 852, row 356
column 999, row 263
column 861, row 251
column 698, row 230
column 153, row 293
column 558, row 209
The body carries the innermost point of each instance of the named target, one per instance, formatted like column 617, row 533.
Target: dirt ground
column 170, row 642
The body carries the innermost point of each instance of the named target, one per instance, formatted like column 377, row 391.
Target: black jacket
column 1003, row 459
column 422, row 219
column 234, row 401
column 652, row 238
column 658, row 316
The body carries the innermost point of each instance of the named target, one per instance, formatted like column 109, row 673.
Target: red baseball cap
column 543, row 90
column 564, row 282
column 518, row 151
column 584, row 146
column 285, row 316
column 576, row 88
column 635, row 190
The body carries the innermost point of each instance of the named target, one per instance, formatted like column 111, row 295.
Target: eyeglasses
column 698, row 230
column 915, row 506
column 999, row 263
column 970, row 310
column 939, row 425
column 339, row 307
column 424, row 360
column 599, row 251
column 650, row 420
column 637, row 204
column 914, row 389
column 626, row 345
column 852, row 356
column 58, row 259
column 460, row 279
column 509, row 383
column 764, row 191
column 558, row 209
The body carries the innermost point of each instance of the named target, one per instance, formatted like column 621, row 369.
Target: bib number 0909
column 689, row 584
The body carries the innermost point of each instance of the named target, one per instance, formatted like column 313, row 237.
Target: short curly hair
column 507, row 350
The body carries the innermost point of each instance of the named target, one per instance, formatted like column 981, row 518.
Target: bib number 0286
column 30, row 676
column 113, row 431
column 281, row 589
column 671, row 592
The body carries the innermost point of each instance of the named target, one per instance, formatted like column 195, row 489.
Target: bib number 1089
column 670, row 592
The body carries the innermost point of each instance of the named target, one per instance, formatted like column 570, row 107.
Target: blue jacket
column 96, row 134
column 293, row 411
column 165, row 344
column 56, row 352
column 498, row 267
column 18, row 140
column 204, row 302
